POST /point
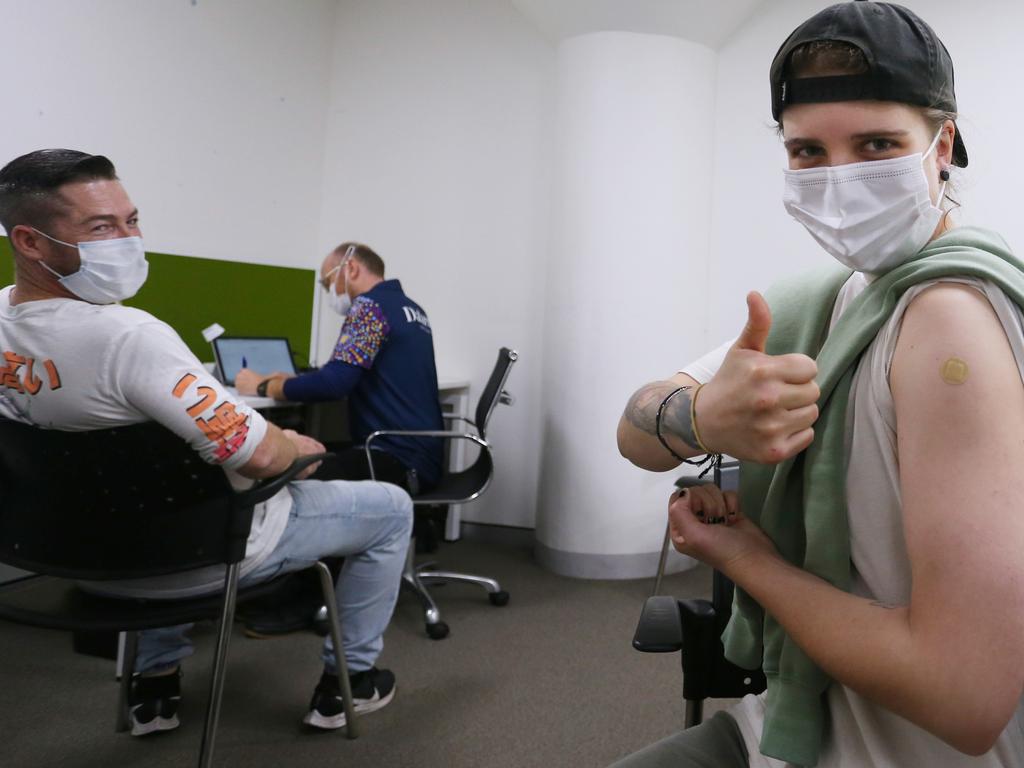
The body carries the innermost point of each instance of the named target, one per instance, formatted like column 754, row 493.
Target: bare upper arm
column 960, row 414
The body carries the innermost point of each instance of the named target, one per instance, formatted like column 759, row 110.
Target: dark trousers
column 350, row 463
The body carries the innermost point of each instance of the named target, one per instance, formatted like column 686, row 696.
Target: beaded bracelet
column 710, row 459
column 693, row 420
column 657, row 420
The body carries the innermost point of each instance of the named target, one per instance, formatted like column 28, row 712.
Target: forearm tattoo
column 642, row 410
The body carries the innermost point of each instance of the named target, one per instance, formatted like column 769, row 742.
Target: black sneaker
column 153, row 703
column 372, row 689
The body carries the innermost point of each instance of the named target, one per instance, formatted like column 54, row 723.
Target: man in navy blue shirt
column 383, row 363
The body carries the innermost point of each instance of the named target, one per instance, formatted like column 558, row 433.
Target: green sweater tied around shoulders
column 801, row 503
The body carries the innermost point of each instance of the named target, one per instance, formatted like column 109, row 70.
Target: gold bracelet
column 693, row 420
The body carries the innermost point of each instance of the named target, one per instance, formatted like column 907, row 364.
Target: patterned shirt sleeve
column 362, row 334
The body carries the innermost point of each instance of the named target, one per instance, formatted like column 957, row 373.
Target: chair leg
column 331, row 604
column 661, row 562
column 122, row 638
column 436, row 628
column 694, row 713
column 492, row 586
column 131, row 643
column 220, row 656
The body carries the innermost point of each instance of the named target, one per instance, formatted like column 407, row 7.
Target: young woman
column 878, row 541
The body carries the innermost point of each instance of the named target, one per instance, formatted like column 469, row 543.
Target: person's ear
column 355, row 270
column 27, row 242
column 944, row 151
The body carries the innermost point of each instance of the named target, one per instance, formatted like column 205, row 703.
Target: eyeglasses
column 325, row 281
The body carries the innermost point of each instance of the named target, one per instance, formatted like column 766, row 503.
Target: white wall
column 437, row 156
column 630, row 235
column 754, row 240
column 213, row 113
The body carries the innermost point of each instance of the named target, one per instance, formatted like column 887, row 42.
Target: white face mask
column 870, row 216
column 110, row 270
column 340, row 302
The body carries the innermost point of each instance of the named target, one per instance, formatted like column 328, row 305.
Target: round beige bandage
column 954, row 371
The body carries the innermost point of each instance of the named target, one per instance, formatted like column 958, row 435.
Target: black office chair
column 127, row 503
column 457, row 488
column 695, row 627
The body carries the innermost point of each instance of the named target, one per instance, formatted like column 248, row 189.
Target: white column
column 626, row 285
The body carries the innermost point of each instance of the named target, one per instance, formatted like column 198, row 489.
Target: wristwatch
column 261, row 388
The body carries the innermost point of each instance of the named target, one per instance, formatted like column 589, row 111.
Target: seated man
column 383, row 363
column 77, row 252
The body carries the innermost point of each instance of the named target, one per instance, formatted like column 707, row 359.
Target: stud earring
column 944, row 174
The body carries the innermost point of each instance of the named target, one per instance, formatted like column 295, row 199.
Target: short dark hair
column 818, row 58
column 29, row 184
column 364, row 255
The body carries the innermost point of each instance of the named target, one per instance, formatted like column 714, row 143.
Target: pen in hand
column 244, row 363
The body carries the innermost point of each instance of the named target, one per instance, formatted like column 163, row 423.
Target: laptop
column 262, row 354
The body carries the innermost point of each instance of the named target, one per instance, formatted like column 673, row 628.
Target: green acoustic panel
column 190, row 293
column 6, row 263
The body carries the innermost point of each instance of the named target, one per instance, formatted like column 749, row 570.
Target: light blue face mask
column 110, row 270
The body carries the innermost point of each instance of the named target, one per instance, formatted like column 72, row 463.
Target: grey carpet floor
column 549, row 680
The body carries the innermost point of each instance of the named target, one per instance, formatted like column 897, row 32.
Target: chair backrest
column 115, row 503
column 467, row 484
column 495, row 384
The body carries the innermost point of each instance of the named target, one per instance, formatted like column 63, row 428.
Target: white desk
column 454, row 395
column 259, row 403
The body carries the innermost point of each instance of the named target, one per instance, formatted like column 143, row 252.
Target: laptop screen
column 260, row 354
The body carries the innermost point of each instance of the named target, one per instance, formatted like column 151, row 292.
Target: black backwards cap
column 906, row 62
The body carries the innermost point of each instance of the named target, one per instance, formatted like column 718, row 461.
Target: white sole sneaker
column 361, row 706
column 155, row 725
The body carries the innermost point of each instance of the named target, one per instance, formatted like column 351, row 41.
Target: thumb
column 759, row 322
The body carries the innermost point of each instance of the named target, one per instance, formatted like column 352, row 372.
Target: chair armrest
column 484, row 445
column 271, row 486
column 667, row 625
column 426, row 433
column 660, row 630
column 453, row 417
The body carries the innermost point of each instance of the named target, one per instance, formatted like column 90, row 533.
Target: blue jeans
column 369, row 524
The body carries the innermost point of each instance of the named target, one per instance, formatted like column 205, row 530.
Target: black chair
column 695, row 627
column 457, row 488
column 127, row 503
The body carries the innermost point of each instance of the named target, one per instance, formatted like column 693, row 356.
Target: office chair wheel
column 498, row 598
column 438, row 631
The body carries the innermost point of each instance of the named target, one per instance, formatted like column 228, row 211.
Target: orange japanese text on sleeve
column 225, row 427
